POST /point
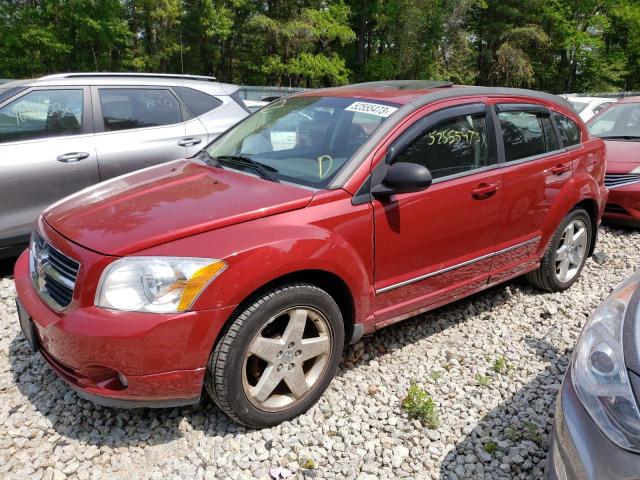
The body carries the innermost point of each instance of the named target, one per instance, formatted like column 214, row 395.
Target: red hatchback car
column 320, row 218
column 619, row 127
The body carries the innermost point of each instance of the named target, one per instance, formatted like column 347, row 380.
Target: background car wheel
column 566, row 253
column 277, row 357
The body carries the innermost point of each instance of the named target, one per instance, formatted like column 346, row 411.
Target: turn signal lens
column 197, row 283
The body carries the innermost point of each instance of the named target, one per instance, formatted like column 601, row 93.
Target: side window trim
column 554, row 120
column 439, row 116
column 187, row 113
column 465, row 174
column 510, row 107
column 412, row 133
column 421, row 125
column 556, row 129
column 522, row 107
column 533, row 158
column 98, row 119
column 88, row 125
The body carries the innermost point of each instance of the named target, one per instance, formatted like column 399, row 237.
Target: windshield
column 621, row 120
column 304, row 140
column 578, row 106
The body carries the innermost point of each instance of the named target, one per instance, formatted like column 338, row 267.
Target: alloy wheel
column 571, row 250
column 286, row 358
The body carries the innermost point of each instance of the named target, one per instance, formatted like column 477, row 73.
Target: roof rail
column 132, row 74
column 404, row 84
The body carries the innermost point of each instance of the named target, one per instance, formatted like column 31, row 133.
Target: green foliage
column 490, row 447
column 483, row 380
column 527, row 431
column 500, row 365
column 308, row 464
column 555, row 45
column 419, row 405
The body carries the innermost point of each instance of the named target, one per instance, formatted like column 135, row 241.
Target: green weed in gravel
column 490, row 447
column 419, row 405
column 500, row 365
column 483, row 380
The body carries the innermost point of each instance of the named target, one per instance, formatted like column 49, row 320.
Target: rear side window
column 196, row 101
column 600, row 107
column 569, row 130
column 526, row 134
column 124, row 109
column 42, row 114
column 457, row 145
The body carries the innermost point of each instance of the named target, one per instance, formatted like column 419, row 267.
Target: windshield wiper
column 265, row 171
column 620, row 137
column 207, row 158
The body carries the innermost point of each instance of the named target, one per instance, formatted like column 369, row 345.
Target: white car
column 588, row 107
column 62, row 133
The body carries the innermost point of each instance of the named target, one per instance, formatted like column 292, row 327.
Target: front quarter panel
column 330, row 235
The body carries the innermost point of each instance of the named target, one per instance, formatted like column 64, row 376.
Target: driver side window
column 455, row 146
column 42, row 114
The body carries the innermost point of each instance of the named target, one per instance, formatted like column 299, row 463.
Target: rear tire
column 277, row 357
column 566, row 254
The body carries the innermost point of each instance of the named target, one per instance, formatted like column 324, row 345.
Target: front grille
column 613, row 180
column 53, row 273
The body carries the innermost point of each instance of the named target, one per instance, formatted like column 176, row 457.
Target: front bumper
column 579, row 450
column 161, row 357
column 623, row 205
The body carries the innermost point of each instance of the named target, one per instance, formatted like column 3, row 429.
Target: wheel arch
column 330, row 282
column 591, row 207
column 581, row 191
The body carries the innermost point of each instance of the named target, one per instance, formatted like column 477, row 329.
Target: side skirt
column 377, row 326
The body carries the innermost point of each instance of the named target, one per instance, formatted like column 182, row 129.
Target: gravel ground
column 492, row 424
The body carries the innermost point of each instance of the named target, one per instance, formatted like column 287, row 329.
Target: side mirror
column 403, row 177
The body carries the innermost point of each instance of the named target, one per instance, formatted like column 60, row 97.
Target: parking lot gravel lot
column 492, row 363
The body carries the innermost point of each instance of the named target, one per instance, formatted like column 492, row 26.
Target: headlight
column 155, row 284
column 599, row 373
column 636, row 170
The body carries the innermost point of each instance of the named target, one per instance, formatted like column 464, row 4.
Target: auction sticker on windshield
column 371, row 108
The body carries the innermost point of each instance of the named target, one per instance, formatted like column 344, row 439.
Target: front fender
column 336, row 238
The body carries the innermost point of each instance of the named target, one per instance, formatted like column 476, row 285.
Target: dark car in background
column 597, row 423
column 619, row 127
column 62, row 133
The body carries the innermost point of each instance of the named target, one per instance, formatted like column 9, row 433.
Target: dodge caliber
column 325, row 216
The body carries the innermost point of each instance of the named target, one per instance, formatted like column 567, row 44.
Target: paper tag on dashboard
column 371, row 108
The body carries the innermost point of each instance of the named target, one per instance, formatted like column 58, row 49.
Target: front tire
column 566, row 254
column 278, row 356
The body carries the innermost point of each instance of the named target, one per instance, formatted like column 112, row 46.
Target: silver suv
column 61, row 133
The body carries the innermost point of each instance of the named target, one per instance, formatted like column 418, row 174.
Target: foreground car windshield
column 618, row 121
column 304, row 140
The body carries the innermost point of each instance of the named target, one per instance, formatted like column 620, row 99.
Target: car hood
column 165, row 203
column 623, row 151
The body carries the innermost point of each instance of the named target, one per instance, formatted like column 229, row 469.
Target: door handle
column 189, row 142
column 485, row 190
column 72, row 157
column 561, row 168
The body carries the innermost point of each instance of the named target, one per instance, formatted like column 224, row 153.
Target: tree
column 554, row 45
